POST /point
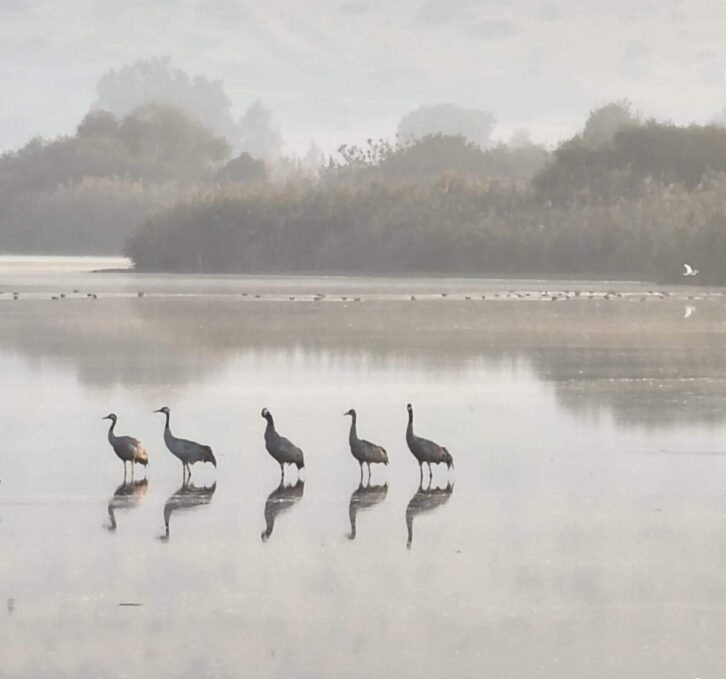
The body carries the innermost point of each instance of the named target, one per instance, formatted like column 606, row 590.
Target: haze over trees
column 122, row 90
column 474, row 125
column 86, row 193
column 625, row 197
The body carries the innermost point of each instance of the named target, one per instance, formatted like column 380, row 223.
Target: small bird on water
column 127, row 448
column 188, row 452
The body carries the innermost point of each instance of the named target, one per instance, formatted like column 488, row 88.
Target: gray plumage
column 127, row 448
column 282, row 450
column 189, row 452
column 364, row 451
column 423, row 450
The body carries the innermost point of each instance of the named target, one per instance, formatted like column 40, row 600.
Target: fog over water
column 578, row 534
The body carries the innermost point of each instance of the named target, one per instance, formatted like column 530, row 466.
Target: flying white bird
column 688, row 311
column 689, row 270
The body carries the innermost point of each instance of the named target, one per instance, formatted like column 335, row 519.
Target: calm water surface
column 581, row 534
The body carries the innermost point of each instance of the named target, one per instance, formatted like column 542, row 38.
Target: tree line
column 624, row 198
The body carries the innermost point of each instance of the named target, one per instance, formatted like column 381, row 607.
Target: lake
column 582, row 532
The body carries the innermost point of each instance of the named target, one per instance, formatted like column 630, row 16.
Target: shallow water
column 582, row 535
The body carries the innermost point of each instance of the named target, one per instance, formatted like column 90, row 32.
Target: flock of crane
column 130, row 450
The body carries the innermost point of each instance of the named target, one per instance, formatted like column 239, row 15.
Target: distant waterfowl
column 688, row 270
column 423, row 450
column 126, row 496
column 127, row 448
column 187, row 497
column 189, row 452
column 688, row 311
column 425, row 500
column 364, row 497
column 282, row 450
column 140, row 293
column 278, row 501
column 364, row 451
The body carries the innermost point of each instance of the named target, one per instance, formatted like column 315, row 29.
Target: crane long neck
column 353, row 431
column 409, row 429
column 166, row 426
column 270, row 422
column 111, row 435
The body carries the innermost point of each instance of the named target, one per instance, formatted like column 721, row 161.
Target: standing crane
column 189, row 452
column 423, row 450
column 364, row 451
column 279, row 447
column 127, row 448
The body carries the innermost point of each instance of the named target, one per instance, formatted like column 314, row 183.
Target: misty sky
column 341, row 70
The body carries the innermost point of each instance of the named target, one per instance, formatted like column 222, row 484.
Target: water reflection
column 127, row 496
column 595, row 355
column 425, row 500
column 364, row 497
column 281, row 499
column 187, row 497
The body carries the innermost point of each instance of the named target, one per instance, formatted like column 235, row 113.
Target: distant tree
column 520, row 139
column 123, row 90
column 474, row 125
column 173, row 142
column 258, row 134
column 433, row 156
column 605, row 122
column 244, row 169
column 636, row 157
column 98, row 123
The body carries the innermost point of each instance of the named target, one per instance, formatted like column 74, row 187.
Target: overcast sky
column 341, row 70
